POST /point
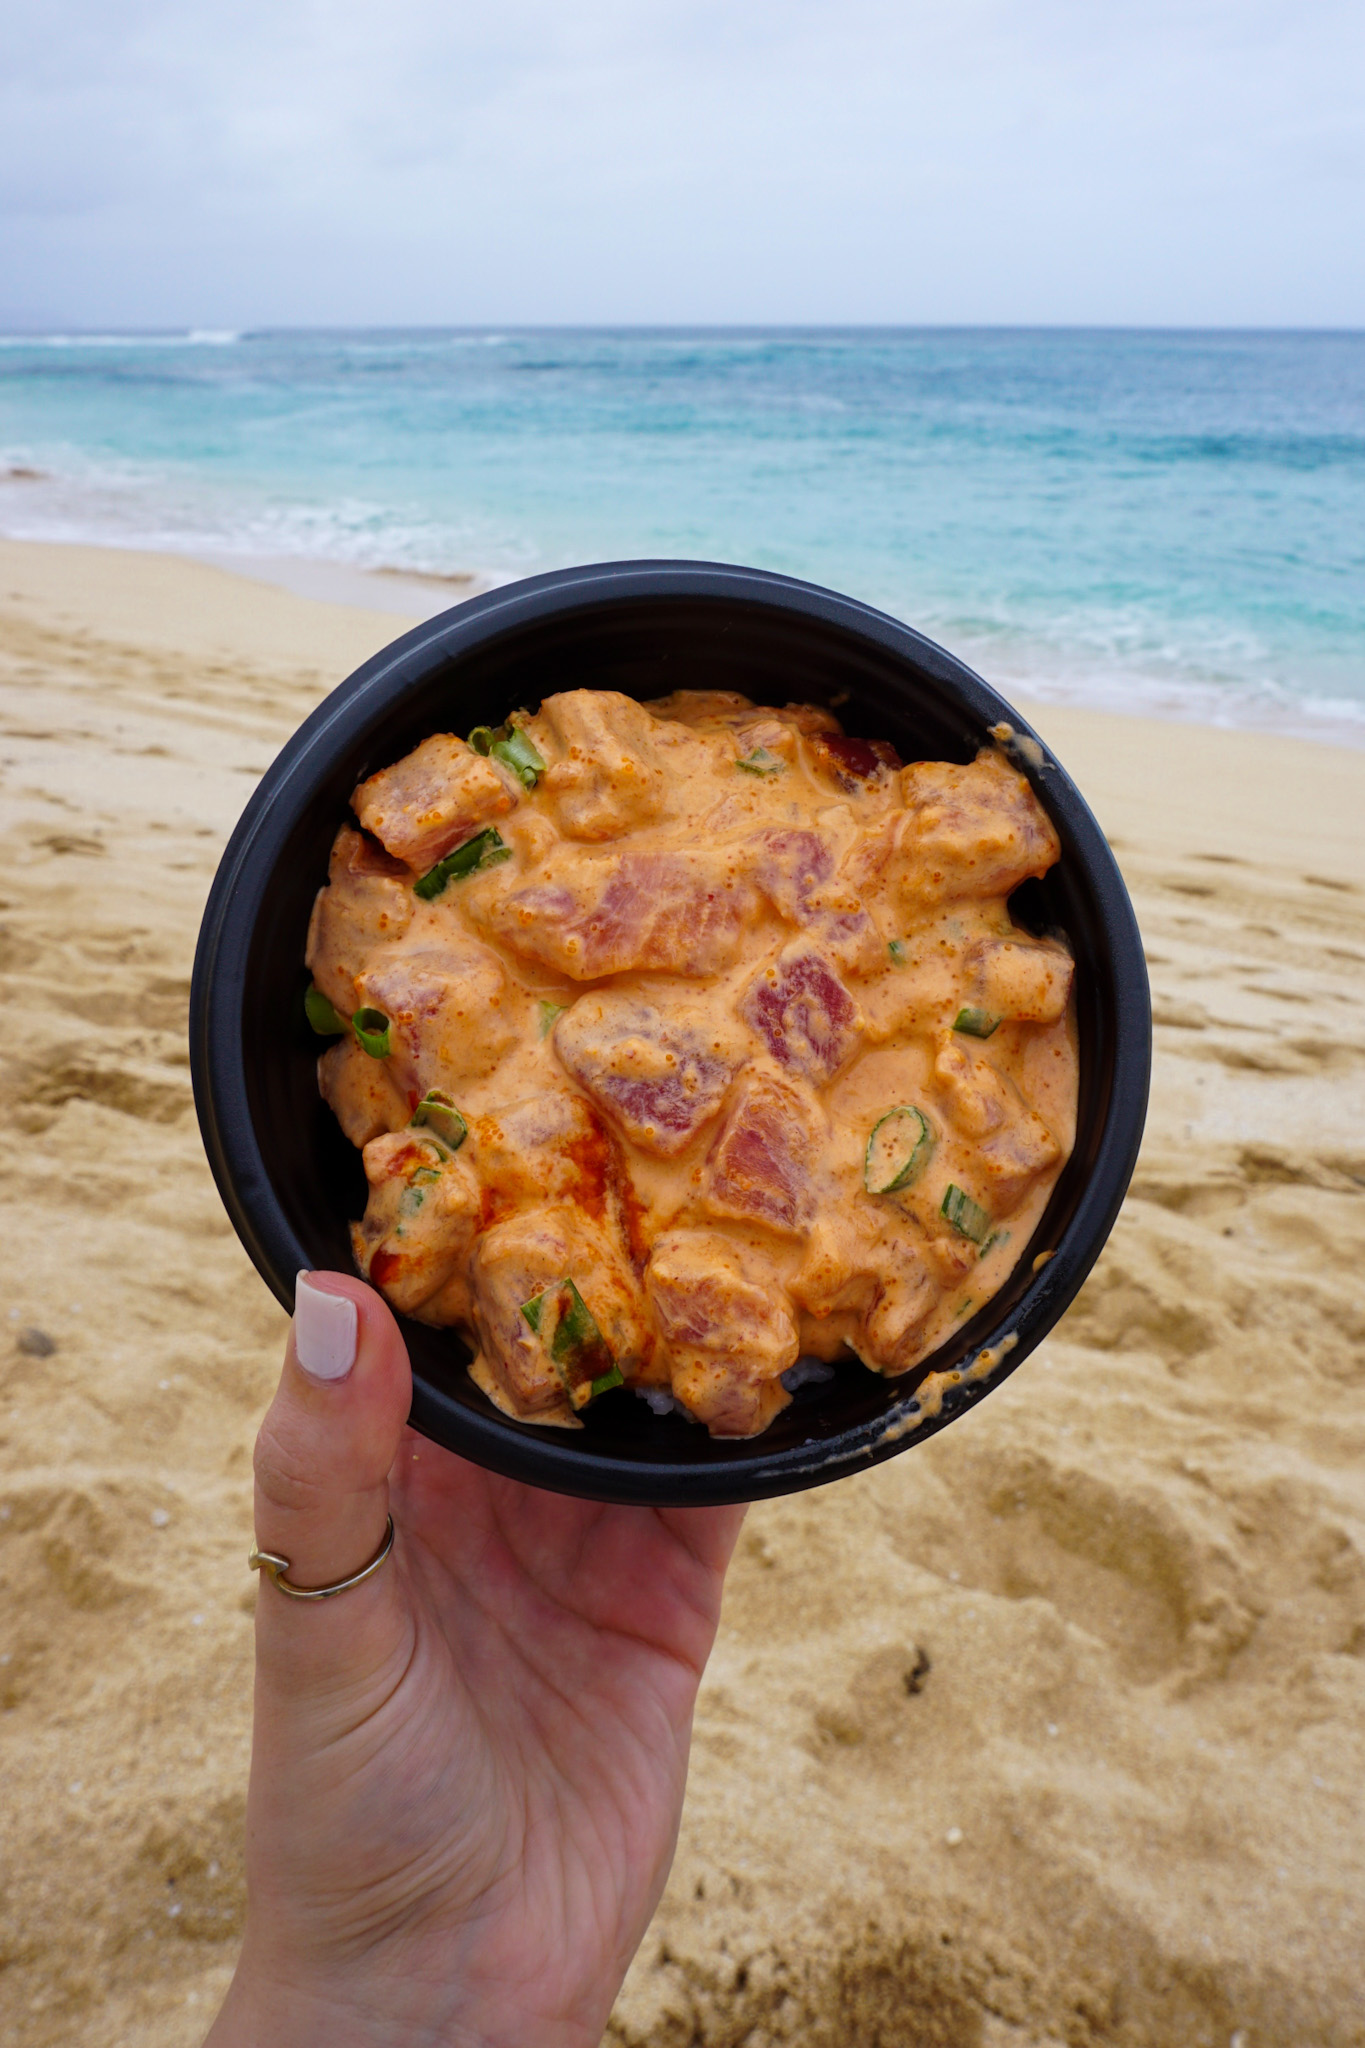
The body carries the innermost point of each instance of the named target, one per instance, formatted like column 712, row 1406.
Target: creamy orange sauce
column 714, row 946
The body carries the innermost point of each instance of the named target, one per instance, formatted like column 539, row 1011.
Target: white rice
column 805, row 1373
column 660, row 1401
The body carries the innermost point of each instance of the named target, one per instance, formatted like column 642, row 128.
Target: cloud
column 679, row 160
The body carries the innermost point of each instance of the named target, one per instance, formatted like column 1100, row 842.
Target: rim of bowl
column 563, row 1461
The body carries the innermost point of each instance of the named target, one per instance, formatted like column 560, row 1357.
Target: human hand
column 467, row 1772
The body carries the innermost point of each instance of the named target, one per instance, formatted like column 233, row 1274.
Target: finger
column 322, row 1464
column 710, row 1534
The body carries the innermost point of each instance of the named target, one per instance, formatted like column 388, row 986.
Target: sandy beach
column 1049, row 1732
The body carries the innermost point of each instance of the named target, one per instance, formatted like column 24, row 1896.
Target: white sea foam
column 195, row 337
column 1230, row 700
column 63, row 496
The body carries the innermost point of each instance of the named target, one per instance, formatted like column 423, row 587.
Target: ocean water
column 1160, row 521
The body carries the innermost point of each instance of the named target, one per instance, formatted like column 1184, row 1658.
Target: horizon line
column 227, row 335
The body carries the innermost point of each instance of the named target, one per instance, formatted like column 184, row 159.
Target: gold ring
column 265, row 1561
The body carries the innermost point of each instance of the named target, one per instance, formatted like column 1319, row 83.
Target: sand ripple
column 1051, row 1731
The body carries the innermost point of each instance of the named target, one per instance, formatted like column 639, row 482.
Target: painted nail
column 325, row 1328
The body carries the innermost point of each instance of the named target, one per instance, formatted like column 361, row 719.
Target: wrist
column 360, row 2005
column 276, row 2008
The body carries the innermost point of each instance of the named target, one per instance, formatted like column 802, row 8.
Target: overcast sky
column 167, row 162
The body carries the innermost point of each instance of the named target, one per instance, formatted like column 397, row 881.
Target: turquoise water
column 1163, row 521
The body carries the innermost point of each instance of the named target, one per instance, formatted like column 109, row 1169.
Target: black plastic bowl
column 291, row 1181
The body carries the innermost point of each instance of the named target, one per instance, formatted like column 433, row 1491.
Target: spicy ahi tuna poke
column 691, row 1047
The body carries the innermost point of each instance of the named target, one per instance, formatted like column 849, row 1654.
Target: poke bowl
column 294, row 1185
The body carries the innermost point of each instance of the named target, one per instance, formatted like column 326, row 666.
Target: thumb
column 323, row 1457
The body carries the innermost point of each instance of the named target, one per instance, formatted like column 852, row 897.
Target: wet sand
column 1051, row 1731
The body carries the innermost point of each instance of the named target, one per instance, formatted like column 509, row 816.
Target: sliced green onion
column 997, row 1238
column 897, row 951
column 965, row 1215
column 897, row 1150
column 438, row 1114
column 577, row 1326
column 517, row 753
column 372, row 1029
column 548, row 1013
column 484, row 850
column 974, row 1023
column 578, row 1351
column 534, row 1310
column 320, row 1013
column 760, row 762
column 510, row 745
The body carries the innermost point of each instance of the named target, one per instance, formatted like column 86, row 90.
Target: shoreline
column 408, row 594
column 1061, row 1712
column 1222, row 783
column 417, row 595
